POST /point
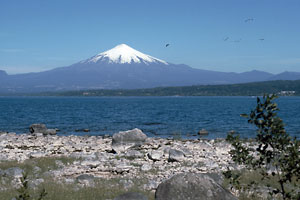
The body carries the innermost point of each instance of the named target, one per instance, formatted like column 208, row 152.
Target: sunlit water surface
column 180, row 117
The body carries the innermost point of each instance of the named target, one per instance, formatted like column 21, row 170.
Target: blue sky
column 37, row 35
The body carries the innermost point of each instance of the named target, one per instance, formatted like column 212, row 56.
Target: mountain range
column 123, row 67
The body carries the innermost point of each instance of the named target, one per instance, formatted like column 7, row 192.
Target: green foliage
column 24, row 193
column 23, row 190
column 275, row 154
column 43, row 193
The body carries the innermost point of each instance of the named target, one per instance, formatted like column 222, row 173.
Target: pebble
column 94, row 156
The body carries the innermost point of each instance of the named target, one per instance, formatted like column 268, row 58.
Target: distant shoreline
column 280, row 87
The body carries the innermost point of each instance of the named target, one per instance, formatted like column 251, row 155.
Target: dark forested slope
column 246, row 89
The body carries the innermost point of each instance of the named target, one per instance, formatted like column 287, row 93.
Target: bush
column 275, row 154
column 24, row 193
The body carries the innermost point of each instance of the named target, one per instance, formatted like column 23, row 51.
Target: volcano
column 121, row 67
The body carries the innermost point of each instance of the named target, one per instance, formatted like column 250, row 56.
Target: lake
column 180, row 117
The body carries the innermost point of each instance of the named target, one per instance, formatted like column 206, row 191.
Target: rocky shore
column 129, row 154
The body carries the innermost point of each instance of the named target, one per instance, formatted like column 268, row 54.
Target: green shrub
column 24, row 193
column 275, row 156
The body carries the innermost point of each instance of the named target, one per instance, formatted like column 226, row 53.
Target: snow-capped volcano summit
column 122, row 67
column 123, row 54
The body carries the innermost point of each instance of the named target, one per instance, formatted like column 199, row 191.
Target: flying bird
column 225, row 39
column 262, row 39
column 249, row 20
column 167, row 45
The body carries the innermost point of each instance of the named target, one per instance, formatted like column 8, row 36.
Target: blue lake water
column 156, row 116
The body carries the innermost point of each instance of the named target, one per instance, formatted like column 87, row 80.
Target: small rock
column 146, row 167
column 134, row 154
column 166, row 150
column 91, row 163
column 50, row 132
column 82, row 130
column 103, row 157
column 2, row 132
column 155, row 155
column 69, row 180
column 39, row 134
column 106, row 136
column 203, row 132
column 123, row 167
column 92, row 156
column 175, row 155
column 37, row 155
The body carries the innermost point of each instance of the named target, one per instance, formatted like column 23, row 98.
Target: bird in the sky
column 249, row 20
column 262, row 39
column 167, row 45
column 225, row 39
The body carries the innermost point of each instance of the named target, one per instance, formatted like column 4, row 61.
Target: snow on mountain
column 122, row 54
column 126, row 68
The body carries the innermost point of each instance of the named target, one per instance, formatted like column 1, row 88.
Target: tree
column 275, row 155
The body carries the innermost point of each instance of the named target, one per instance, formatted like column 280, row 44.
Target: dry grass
column 59, row 190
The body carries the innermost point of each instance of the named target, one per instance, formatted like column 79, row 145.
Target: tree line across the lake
column 280, row 87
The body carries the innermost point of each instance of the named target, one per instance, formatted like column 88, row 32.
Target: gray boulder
column 175, row 155
column 193, row 187
column 127, row 139
column 131, row 196
column 38, row 128
column 41, row 128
